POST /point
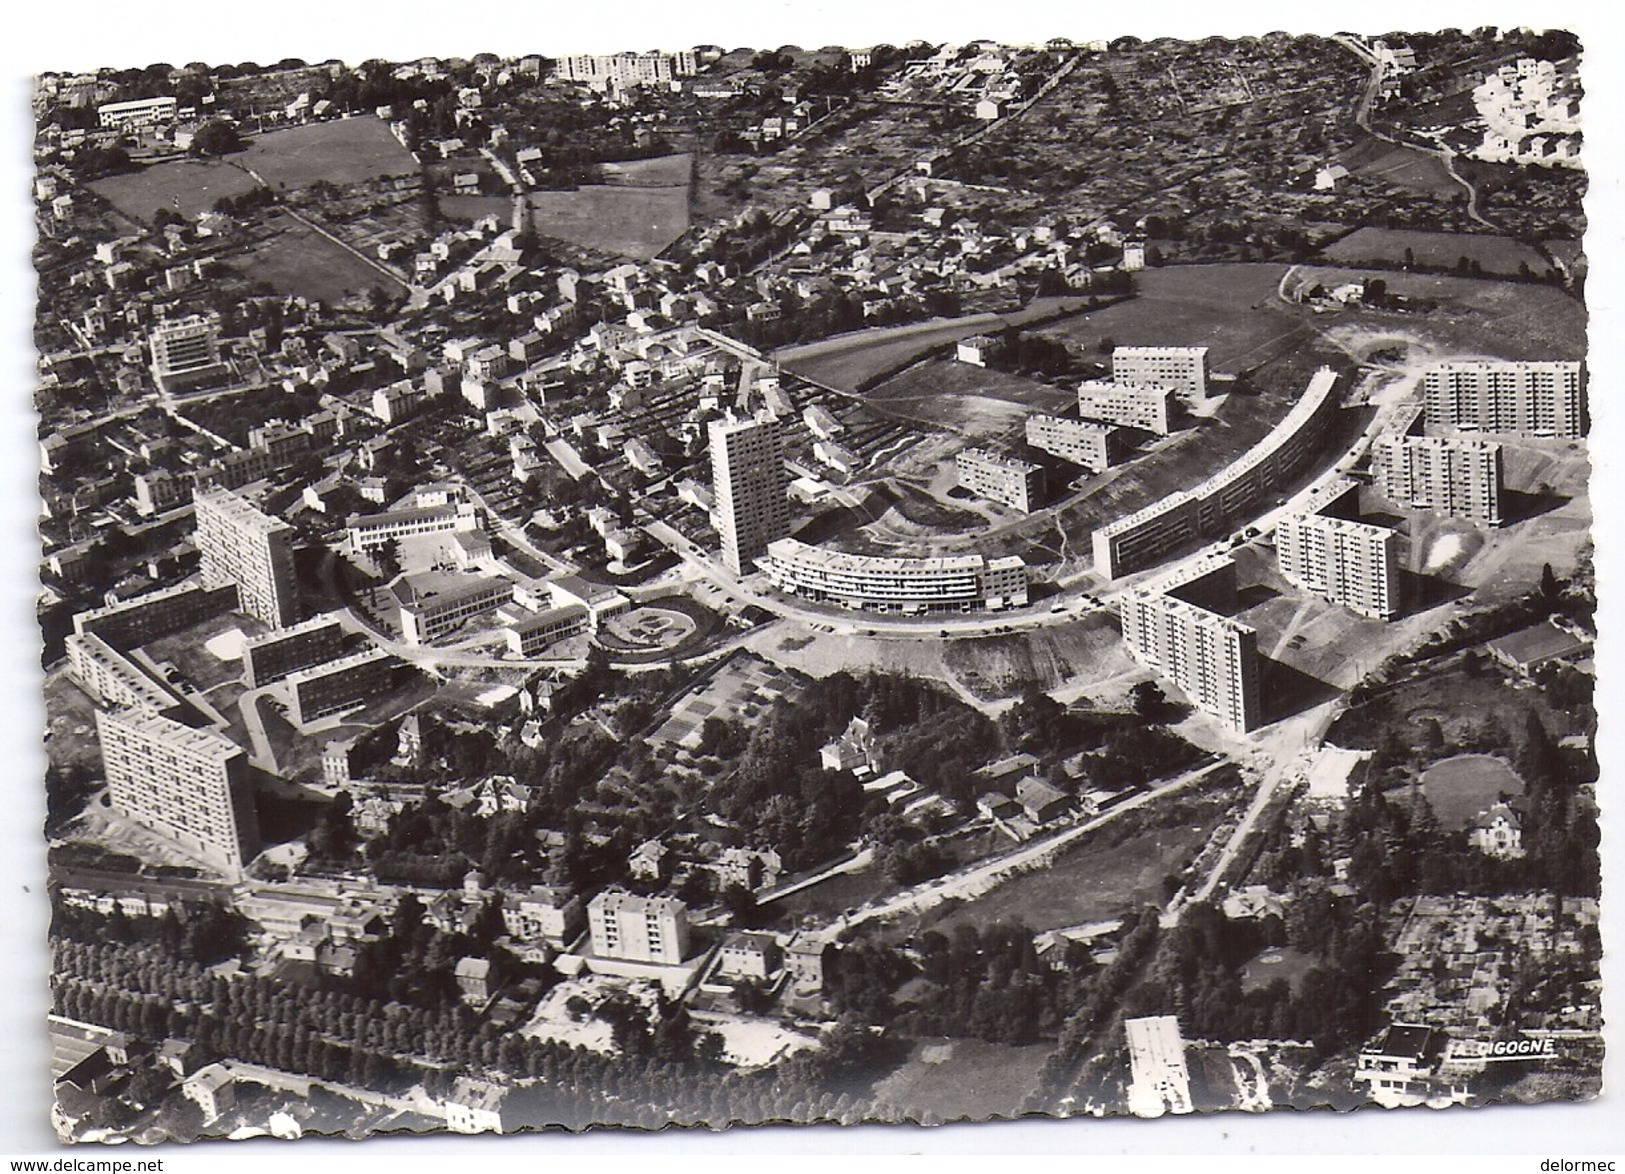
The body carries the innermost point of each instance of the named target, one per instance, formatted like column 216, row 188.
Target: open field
column 187, row 186
column 1400, row 166
column 628, row 220
column 1459, row 788
column 1273, row 963
column 296, row 259
column 345, row 151
column 957, row 1079
column 965, row 398
column 70, row 722
column 1231, row 309
column 1108, row 873
column 667, row 171
column 1451, row 692
column 855, row 360
column 1495, row 254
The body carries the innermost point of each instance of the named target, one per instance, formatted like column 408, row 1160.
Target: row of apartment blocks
column 1455, row 475
column 1181, row 520
column 996, row 477
column 1516, row 398
column 1326, row 550
column 1212, row 658
column 911, row 586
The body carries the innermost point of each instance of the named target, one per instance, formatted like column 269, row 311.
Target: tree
column 216, row 137
column 1550, row 589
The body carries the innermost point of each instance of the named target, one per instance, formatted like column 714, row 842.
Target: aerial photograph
column 913, row 583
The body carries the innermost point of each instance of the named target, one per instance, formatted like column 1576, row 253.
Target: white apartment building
column 1082, row 442
column 1212, row 659
column 638, row 929
column 139, row 113
column 1353, row 564
column 190, row 786
column 1132, row 405
column 750, row 487
column 910, row 586
column 1521, row 399
column 1458, row 476
column 1179, row 369
column 239, row 544
column 1007, row 480
column 186, row 353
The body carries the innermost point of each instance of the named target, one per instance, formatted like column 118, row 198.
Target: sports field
column 348, row 150
column 187, row 186
column 625, row 221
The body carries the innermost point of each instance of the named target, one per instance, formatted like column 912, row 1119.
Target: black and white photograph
column 926, row 582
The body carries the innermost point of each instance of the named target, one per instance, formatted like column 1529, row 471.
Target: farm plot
column 296, row 259
column 1439, row 250
column 349, row 150
column 187, row 186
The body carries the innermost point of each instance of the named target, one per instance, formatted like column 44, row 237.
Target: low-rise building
column 436, row 603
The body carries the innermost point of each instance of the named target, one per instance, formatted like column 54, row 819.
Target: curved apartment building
column 910, row 586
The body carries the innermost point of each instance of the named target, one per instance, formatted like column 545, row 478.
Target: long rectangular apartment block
column 1455, row 475
column 911, row 586
column 1179, row 369
column 339, row 684
column 1089, row 443
column 1519, row 399
column 1132, row 405
column 1007, row 480
column 1145, row 537
column 281, row 653
column 1212, row 658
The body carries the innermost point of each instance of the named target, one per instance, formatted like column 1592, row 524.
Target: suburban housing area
column 902, row 583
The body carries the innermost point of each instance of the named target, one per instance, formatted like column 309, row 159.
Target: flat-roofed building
column 435, row 603
column 912, row 586
column 281, row 653
column 186, row 354
column 1517, row 398
column 190, row 786
column 1132, row 405
column 1179, row 369
column 1350, row 563
column 369, row 532
column 638, row 929
column 328, row 688
column 1089, row 443
column 1212, row 658
column 750, row 487
column 543, row 913
column 1005, row 479
column 537, row 633
column 139, row 113
column 1159, row 1079
column 113, row 678
column 142, row 618
column 242, row 545
column 1455, row 475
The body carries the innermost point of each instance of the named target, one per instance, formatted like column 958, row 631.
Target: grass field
column 1459, row 788
column 963, row 1079
column 627, row 221
column 1416, row 171
column 1495, row 254
column 1273, row 963
column 665, row 172
column 298, row 260
column 853, row 361
column 189, row 186
column 346, row 151
column 965, row 398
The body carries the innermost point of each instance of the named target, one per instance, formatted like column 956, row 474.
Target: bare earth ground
column 963, row 1079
